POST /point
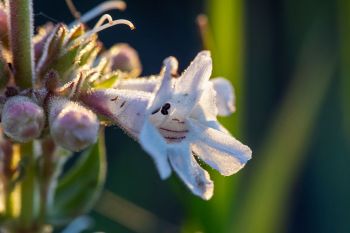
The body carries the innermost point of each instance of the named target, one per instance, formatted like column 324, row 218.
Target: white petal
column 205, row 109
column 155, row 145
column 165, row 90
column 197, row 74
column 216, row 125
column 147, row 84
column 221, row 161
column 190, row 86
column 220, row 141
column 195, row 177
column 225, row 97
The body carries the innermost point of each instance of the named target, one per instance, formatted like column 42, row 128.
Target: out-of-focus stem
column 11, row 192
column 284, row 146
column 28, row 188
column 45, row 177
column 344, row 32
column 21, row 31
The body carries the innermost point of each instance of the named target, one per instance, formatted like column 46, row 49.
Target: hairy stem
column 21, row 31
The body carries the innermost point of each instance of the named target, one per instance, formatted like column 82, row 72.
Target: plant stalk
column 21, row 31
column 29, row 189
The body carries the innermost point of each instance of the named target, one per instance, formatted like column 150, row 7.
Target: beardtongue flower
column 72, row 126
column 176, row 123
column 182, row 125
column 22, row 119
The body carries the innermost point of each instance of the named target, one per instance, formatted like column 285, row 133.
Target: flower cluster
column 78, row 85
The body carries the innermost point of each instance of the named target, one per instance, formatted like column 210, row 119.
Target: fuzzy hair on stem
column 21, row 32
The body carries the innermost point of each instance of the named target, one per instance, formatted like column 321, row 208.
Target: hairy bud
column 72, row 126
column 125, row 58
column 22, row 119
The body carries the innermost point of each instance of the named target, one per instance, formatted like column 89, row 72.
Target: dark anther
column 123, row 104
column 155, row 111
column 165, row 109
column 11, row 91
column 115, row 98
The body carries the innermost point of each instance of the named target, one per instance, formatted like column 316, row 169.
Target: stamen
column 99, row 28
column 98, row 10
column 103, row 19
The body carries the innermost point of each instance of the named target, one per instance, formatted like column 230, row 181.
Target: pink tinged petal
column 192, row 83
column 220, row 142
column 126, row 108
column 112, row 102
column 187, row 168
column 155, row 145
column 225, row 97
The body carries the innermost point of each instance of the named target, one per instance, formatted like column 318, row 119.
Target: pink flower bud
column 22, row 119
column 125, row 58
column 72, row 126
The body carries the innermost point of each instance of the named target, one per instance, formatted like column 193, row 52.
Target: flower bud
column 125, row 58
column 72, row 126
column 22, row 119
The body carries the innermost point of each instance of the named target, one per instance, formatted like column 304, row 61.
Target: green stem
column 29, row 188
column 48, row 169
column 21, row 31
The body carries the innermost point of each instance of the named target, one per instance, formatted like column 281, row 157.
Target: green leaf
column 79, row 189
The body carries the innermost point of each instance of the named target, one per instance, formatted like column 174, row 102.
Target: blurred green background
column 289, row 61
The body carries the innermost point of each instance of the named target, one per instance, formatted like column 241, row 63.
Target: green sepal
column 52, row 50
column 108, row 82
column 64, row 64
column 80, row 187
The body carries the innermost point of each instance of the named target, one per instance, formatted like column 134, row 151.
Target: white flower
column 174, row 119
column 181, row 126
